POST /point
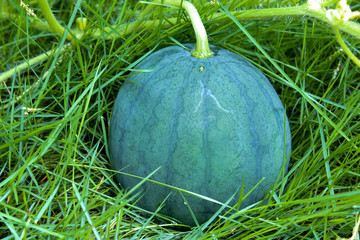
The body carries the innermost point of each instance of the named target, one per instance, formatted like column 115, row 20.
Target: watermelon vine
column 339, row 18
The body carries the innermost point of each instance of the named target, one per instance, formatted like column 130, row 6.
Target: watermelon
column 213, row 125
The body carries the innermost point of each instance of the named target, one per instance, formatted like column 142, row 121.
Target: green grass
column 55, row 178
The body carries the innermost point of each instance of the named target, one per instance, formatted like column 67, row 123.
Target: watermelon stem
column 202, row 48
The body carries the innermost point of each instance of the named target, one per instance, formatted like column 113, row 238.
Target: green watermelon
column 211, row 124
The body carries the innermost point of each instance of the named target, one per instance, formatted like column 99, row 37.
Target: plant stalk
column 345, row 47
column 53, row 23
column 202, row 49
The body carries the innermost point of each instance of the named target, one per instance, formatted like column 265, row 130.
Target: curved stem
column 53, row 23
column 345, row 48
column 202, row 49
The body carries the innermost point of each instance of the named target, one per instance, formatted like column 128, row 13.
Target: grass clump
column 55, row 179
